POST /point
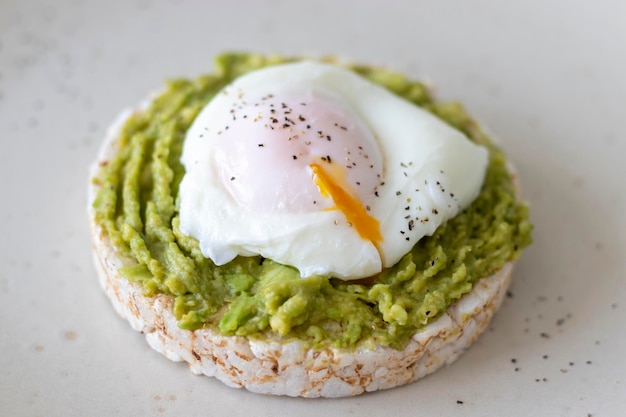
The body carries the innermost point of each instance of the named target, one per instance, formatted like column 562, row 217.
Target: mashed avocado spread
column 136, row 206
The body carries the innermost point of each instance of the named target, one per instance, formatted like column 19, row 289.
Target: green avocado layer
column 258, row 298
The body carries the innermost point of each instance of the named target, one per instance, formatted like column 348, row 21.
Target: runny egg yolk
column 271, row 146
column 351, row 207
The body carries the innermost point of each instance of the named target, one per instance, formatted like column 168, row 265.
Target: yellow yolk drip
column 367, row 226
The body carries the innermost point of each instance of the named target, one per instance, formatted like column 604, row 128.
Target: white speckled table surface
column 546, row 77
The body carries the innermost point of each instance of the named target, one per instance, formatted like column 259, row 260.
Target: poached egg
column 315, row 167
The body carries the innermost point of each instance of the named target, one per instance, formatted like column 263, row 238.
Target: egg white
column 430, row 172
